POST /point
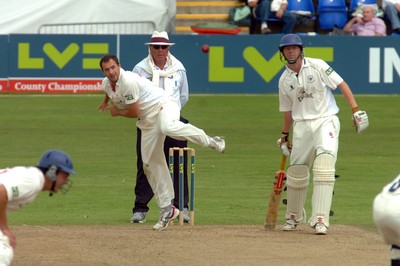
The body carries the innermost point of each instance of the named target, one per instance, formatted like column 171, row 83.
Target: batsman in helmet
column 310, row 111
column 20, row 185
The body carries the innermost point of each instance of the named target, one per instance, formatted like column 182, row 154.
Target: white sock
column 264, row 25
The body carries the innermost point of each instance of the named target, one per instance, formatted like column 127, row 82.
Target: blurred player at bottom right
column 386, row 214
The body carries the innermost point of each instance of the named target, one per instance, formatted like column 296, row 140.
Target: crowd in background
column 358, row 17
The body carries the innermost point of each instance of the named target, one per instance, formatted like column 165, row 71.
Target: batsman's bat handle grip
column 283, row 162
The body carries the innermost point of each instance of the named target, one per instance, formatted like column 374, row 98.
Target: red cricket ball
column 205, row 48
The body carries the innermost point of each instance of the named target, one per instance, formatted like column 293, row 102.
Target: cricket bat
column 275, row 197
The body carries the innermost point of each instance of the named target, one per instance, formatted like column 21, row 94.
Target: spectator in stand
column 367, row 25
column 392, row 11
column 267, row 9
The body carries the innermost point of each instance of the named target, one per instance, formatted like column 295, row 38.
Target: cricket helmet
column 58, row 159
column 290, row 40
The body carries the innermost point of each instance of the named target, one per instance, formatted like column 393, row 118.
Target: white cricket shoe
column 218, row 144
column 138, row 217
column 320, row 227
column 165, row 218
column 186, row 217
column 291, row 223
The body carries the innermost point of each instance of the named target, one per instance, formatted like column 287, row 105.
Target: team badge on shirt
column 329, row 71
column 303, row 94
column 129, row 97
column 310, row 79
column 15, row 192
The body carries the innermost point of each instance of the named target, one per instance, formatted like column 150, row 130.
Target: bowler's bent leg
column 171, row 126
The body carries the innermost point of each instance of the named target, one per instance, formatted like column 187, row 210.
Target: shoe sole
column 321, row 233
column 289, row 230
column 138, row 222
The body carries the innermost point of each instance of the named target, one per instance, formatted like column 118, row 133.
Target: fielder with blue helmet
column 20, row 185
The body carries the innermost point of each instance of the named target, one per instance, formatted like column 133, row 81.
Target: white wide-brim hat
column 159, row 38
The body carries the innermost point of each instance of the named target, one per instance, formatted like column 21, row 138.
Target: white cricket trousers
column 386, row 214
column 163, row 121
column 6, row 251
column 313, row 137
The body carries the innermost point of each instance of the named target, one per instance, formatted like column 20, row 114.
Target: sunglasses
column 162, row 47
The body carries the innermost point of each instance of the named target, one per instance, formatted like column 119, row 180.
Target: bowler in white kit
column 134, row 96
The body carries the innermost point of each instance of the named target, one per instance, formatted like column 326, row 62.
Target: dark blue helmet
column 57, row 158
column 290, row 40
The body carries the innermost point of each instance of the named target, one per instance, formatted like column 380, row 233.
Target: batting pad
column 297, row 184
column 324, row 180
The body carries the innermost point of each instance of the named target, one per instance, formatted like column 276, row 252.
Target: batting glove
column 360, row 120
column 285, row 145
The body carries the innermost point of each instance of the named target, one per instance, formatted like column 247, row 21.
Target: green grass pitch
column 231, row 188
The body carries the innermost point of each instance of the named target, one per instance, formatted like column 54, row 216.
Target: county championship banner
column 215, row 63
column 57, row 63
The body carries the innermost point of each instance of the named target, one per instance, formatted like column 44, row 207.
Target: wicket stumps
column 181, row 152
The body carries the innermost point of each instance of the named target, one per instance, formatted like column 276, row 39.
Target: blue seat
column 327, row 20
column 299, row 6
column 355, row 3
column 330, row 5
column 305, row 8
column 302, row 6
column 332, row 13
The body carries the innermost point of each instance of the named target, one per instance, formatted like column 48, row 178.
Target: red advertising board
column 3, row 85
column 48, row 86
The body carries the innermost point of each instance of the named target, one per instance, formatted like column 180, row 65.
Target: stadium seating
column 329, row 5
column 331, row 14
column 301, row 7
column 305, row 7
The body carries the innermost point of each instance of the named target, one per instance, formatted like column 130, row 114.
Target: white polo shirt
column 22, row 185
column 308, row 94
column 131, row 88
